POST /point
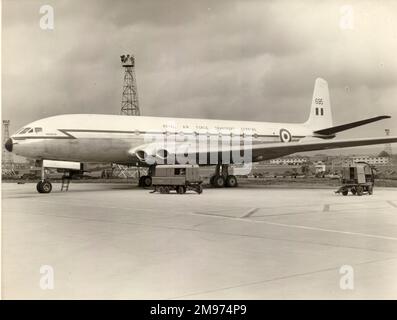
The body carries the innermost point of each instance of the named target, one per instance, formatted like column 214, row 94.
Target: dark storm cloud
column 248, row 60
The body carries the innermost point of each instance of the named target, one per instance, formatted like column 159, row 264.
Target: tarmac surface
column 117, row 241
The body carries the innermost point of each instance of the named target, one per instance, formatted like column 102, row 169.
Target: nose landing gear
column 44, row 186
column 146, row 180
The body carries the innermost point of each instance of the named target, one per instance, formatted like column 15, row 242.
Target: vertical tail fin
column 320, row 112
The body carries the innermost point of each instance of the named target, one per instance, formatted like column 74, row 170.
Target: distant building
column 319, row 167
column 291, row 161
column 370, row 159
column 374, row 160
column 323, row 161
column 319, row 157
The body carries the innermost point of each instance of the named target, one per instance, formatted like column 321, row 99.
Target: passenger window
column 37, row 130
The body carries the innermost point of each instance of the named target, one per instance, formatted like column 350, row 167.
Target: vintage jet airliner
column 83, row 138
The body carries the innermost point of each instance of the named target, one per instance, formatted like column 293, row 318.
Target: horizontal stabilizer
column 343, row 127
column 275, row 150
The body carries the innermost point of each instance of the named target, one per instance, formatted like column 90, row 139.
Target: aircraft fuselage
column 110, row 138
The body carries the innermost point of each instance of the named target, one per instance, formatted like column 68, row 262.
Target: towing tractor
column 357, row 178
column 180, row 178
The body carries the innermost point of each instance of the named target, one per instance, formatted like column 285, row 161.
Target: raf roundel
column 285, row 135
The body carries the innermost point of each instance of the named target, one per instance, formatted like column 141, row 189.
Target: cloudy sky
column 248, row 60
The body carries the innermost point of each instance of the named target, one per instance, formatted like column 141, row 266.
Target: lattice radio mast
column 6, row 156
column 129, row 101
column 129, row 107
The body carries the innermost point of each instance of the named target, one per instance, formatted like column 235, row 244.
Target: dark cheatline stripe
column 70, row 136
column 67, row 133
column 163, row 132
column 43, row 137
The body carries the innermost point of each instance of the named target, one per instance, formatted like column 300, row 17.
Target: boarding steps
column 65, row 183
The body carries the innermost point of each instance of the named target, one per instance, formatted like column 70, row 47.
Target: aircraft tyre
column 44, row 186
column 231, row 181
column 219, row 181
column 145, row 181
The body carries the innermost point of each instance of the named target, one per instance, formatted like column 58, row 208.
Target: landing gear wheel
column 354, row 191
column 145, row 181
column 231, row 181
column 345, row 192
column 44, row 186
column 360, row 190
column 219, row 181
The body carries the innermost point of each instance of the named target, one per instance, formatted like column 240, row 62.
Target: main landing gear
column 146, row 180
column 222, row 178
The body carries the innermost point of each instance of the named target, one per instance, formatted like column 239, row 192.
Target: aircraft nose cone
column 8, row 145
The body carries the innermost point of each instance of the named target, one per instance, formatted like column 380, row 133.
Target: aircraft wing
column 256, row 152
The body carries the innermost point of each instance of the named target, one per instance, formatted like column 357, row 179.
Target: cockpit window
column 24, row 130
column 30, row 130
